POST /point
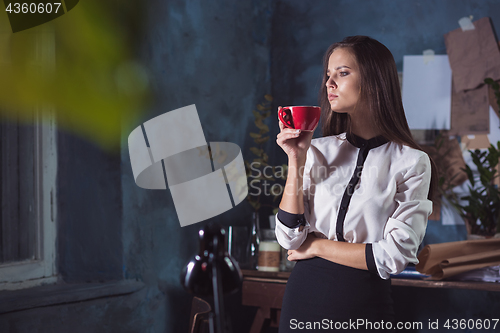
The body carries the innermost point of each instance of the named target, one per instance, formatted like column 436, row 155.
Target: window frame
column 41, row 269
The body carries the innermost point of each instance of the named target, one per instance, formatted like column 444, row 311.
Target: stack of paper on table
column 445, row 260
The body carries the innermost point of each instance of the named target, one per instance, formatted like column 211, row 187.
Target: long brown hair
column 380, row 87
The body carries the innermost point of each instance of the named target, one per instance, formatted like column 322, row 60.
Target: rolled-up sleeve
column 290, row 238
column 405, row 229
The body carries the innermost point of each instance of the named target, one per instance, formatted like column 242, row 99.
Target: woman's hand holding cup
column 294, row 142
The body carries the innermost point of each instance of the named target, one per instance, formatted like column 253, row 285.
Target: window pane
column 18, row 224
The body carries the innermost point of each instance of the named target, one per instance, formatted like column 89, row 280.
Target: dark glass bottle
column 254, row 241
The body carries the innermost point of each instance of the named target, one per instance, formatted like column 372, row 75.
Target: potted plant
column 264, row 180
column 480, row 208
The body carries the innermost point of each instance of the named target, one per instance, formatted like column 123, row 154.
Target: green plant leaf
column 262, row 177
column 255, row 135
column 261, row 107
column 489, row 81
column 257, row 151
column 269, row 98
column 257, row 115
column 255, row 204
column 262, row 140
column 469, row 174
column 261, row 161
column 260, row 125
column 441, row 181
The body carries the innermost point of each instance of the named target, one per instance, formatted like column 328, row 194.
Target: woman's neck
column 364, row 127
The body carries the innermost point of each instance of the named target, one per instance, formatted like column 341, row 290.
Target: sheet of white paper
column 494, row 135
column 427, row 92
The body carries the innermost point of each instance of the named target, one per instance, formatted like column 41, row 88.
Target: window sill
column 18, row 300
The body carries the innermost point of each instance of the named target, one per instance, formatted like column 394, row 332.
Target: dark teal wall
column 214, row 54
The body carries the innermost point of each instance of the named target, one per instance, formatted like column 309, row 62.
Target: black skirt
column 323, row 296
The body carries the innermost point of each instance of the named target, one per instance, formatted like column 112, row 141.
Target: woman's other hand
column 294, row 143
column 306, row 250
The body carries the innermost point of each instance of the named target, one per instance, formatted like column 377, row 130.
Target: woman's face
column 343, row 81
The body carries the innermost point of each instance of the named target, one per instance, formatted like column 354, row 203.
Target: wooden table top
column 282, row 277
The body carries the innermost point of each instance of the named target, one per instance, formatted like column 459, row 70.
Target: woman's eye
column 344, row 73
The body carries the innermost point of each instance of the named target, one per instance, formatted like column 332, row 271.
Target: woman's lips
column 331, row 97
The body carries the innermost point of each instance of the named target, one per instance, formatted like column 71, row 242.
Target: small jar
column 269, row 256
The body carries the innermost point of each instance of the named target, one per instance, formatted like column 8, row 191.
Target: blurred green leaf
column 82, row 65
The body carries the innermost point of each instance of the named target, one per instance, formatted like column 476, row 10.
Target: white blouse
column 388, row 208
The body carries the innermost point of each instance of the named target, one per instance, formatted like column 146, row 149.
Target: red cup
column 304, row 118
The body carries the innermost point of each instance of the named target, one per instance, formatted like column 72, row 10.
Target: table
column 265, row 290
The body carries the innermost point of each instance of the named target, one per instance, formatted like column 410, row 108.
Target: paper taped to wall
column 474, row 55
column 469, row 112
column 427, row 91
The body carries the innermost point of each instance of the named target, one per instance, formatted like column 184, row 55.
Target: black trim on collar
column 359, row 142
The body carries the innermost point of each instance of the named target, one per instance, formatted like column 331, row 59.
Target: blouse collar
column 359, row 142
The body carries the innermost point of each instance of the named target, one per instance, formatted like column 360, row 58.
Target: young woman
column 356, row 201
